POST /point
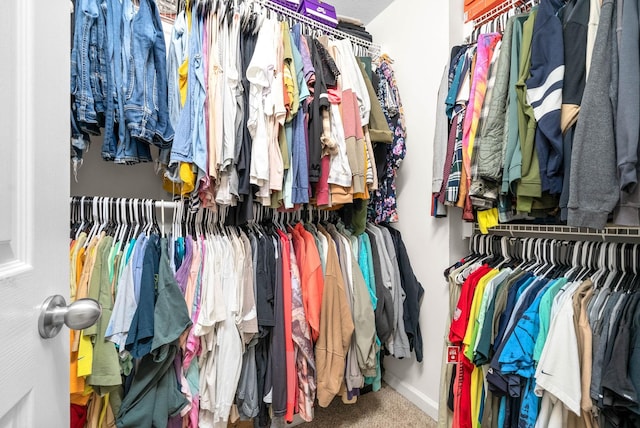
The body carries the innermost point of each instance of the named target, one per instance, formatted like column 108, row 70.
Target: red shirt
column 463, row 308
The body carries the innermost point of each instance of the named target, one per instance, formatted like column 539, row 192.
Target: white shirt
column 339, row 169
column 558, row 371
column 351, row 77
column 260, row 74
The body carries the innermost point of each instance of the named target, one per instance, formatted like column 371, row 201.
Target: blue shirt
column 138, row 258
column 141, row 331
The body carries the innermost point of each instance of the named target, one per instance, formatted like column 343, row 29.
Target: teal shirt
column 544, row 312
column 365, row 260
column 154, row 395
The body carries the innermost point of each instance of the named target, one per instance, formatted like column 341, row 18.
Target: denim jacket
column 146, row 100
column 88, row 64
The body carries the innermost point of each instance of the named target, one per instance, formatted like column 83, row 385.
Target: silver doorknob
column 54, row 312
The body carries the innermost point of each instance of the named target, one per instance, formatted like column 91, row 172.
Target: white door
column 34, row 220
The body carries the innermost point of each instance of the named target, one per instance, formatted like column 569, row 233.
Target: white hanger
column 95, row 224
column 149, row 214
column 124, row 210
column 162, row 219
column 135, row 206
column 118, row 221
column 82, row 217
column 174, row 221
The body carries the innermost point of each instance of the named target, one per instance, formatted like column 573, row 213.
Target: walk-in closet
column 269, row 213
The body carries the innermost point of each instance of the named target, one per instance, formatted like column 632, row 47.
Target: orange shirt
column 312, row 281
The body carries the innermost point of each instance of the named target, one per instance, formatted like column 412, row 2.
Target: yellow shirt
column 487, row 219
column 473, row 314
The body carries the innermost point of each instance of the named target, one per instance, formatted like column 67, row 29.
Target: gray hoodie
column 592, row 194
column 628, row 116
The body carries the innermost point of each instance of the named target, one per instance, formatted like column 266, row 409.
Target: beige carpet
column 383, row 409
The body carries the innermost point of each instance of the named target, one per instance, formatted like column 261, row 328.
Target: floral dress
column 383, row 205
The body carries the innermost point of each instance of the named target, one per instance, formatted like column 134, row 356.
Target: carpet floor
column 383, row 409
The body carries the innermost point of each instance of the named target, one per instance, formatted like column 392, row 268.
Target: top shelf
column 612, row 233
column 371, row 48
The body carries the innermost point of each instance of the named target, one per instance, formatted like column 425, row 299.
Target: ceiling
column 364, row 10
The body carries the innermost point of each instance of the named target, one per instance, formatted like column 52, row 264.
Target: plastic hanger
column 549, row 259
column 146, row 216
column 618, row 265
column 101, row 216
column 544, row 251
column 124, row 232
column 116, row 222
column 75, row 216
column 95, row 221
column 504, row 252
column 626, row 251
column 174, row 221
column 575, row 250
column 634, row 267
column 82, row 217
column 601, row 264
column 580, row 260
column 132, row 215
column 162, row 233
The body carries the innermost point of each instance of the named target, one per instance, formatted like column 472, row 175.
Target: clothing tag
column 452, row 354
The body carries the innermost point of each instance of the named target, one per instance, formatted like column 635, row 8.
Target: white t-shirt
column 352, row 77
column 558, row 371
column 260, row 74
column 339, row 169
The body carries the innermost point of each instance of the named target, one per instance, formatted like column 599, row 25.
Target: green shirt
column 530, row 185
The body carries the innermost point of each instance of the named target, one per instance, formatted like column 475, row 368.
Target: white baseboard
column 412, row 394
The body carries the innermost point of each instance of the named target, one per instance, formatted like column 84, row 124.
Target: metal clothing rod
column 159, row 204
column 373, row 48
column 613, row 233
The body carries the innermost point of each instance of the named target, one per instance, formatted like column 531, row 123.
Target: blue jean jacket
column 145, row 107
column 84, row 64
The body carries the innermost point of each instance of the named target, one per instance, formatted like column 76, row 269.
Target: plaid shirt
column 453, row 183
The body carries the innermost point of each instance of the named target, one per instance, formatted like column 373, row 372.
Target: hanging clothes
column 532, row 158
column 539, row 336
column 213, row 321
column 260, row 112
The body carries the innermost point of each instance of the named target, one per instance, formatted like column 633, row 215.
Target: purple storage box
column 289, row 4
column 319, row 11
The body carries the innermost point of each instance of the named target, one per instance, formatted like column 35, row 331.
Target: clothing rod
column 259, row 209
column 373, row 48
column 613, row 233
column 156, row 203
